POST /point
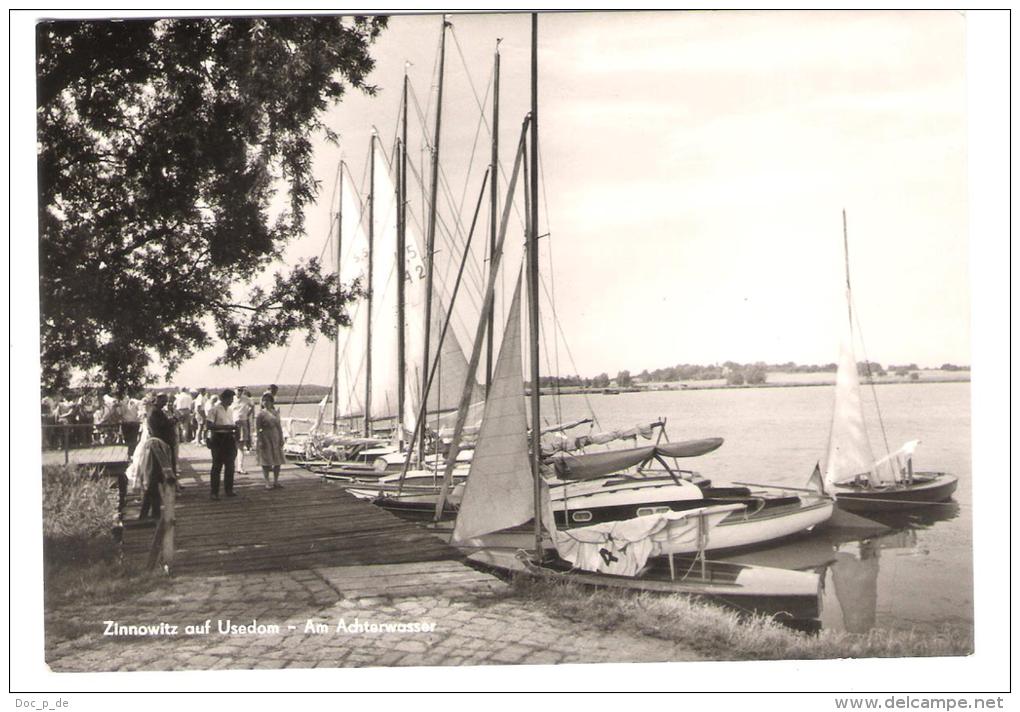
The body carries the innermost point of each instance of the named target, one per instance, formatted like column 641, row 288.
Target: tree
column 601, row 381
column 161, row 148
column 756, row 374
column 623, row 379
column 735, row 377
column 869, row 368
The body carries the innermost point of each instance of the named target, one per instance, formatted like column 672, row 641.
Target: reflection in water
column 852, row 556
column 920, row 518
column 855, row 578
column 856, row 583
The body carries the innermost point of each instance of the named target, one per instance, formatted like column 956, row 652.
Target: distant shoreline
column 683, row 386
column 580, row 390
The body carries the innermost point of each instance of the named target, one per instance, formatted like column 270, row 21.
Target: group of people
column 225, row 422
column 93, row 418
column 228, row 428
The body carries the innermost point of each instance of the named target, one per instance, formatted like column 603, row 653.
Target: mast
column 493, row 211
column 846, row 262
column 368, row 330
column 339, row 284
column 476, row 349
column 401, row 260
column 430, row 243
column 536, row 427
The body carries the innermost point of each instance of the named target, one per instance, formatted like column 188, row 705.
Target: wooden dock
column 308, row 523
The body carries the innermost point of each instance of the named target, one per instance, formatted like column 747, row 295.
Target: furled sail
column 499, row 491
column 590, row 465
column 850, row 451
column 623, row 547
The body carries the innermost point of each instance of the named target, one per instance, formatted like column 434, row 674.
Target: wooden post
column 162, row 546
column 168, row 517
column 67, row 443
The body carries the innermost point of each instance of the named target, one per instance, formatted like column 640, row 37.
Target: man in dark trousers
column 222, row 435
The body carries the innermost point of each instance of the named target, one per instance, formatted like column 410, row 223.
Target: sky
column 694, row 170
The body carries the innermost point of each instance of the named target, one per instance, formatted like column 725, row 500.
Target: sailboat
column 506, row 488
column 860, row 482
column 375, row 380
column 602, row 497
column 594, row 488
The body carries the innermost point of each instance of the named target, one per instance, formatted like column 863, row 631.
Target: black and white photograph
column 450, row 349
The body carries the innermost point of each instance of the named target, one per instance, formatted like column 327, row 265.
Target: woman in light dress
column 270, row 440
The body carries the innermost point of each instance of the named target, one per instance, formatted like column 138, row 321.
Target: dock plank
column 306, row 524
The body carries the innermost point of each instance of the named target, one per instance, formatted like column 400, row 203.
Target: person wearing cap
column 222, row 443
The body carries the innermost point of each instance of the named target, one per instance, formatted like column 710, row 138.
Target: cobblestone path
column 335, row 617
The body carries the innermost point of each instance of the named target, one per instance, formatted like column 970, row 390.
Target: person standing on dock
column 269, row 432
column 223, row 444
column 130, row 423
column 183, row 405
column 157, row 456
column 200, row 402
column 242, row 420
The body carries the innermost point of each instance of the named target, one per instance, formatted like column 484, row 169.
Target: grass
column 82, row 564
column 80, row 574
column 721, row 634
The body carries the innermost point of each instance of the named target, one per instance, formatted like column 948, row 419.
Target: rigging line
column 282, row 363
column 427, row 146
column 445, row 235
column 434, row 76
column 332, row 213
column 475, row 270
column 471, row 160
column 479, row 103
column 458, row 232
column 871, row 379
column 552, row 273
column 422, row 121
column 473, row 274
column 482, row 120
column 548, row 365
column 301, row 382
column 570, row 355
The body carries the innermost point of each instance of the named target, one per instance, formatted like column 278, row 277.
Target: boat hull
column 927, row 489
column 738, row 531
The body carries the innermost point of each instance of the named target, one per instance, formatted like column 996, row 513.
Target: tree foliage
column 162, row 147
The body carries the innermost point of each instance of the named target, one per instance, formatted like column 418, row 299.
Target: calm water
column 918, row 574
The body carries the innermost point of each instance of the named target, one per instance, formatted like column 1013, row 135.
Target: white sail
column 850, row 451
column 353, row 265
column 384, row 293
column 499, row 492
column 449, row 381
column 448, row 384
